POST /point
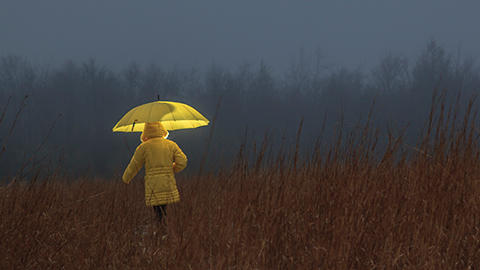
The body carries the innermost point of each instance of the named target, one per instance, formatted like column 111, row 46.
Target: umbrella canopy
column 173, row 115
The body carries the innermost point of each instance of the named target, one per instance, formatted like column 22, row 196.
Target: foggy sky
column 198, row 33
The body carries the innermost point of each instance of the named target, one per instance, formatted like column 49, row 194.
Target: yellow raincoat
column 162, row 158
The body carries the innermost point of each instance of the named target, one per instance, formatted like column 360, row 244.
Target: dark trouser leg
column 160, row 211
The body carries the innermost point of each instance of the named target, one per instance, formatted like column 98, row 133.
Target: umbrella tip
column 158, row 97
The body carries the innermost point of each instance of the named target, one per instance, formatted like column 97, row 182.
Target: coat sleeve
column 179, row 159
column 135, row 165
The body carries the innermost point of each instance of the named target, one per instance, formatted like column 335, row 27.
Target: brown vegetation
column 351, row 203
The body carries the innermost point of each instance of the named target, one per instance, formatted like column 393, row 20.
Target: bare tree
column 431, row 68
column 344, row 83
column 466, row 74
column 192, row 87
column 298, row 77
column 263, row 85
column 151, row 85
column 391, row 74
column 320, row 67
column 132, row 81
column 10, row 69
column 172, row 84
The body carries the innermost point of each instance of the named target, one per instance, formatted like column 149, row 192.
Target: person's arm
column 135, row 165
column 179, row 160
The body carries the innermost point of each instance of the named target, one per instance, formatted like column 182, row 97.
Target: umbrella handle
column 134, row 122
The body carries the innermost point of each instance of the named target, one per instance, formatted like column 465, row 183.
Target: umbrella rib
column 173, row 116
column 193, row 115
column 149, row 113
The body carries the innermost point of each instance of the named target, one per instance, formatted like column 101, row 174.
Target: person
column 162, row 158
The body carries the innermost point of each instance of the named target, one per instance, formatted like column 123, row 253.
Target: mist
column 70, row 109
column 282, row 74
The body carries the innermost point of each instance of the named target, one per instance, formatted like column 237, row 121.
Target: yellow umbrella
column 173, row 115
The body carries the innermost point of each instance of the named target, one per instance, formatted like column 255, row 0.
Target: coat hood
column 153, row 130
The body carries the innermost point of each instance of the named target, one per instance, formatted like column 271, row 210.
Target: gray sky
column 198, row 33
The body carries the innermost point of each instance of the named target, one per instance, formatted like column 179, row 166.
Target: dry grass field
column 352, row 204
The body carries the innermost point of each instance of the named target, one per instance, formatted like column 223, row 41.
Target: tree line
column 67, row 118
